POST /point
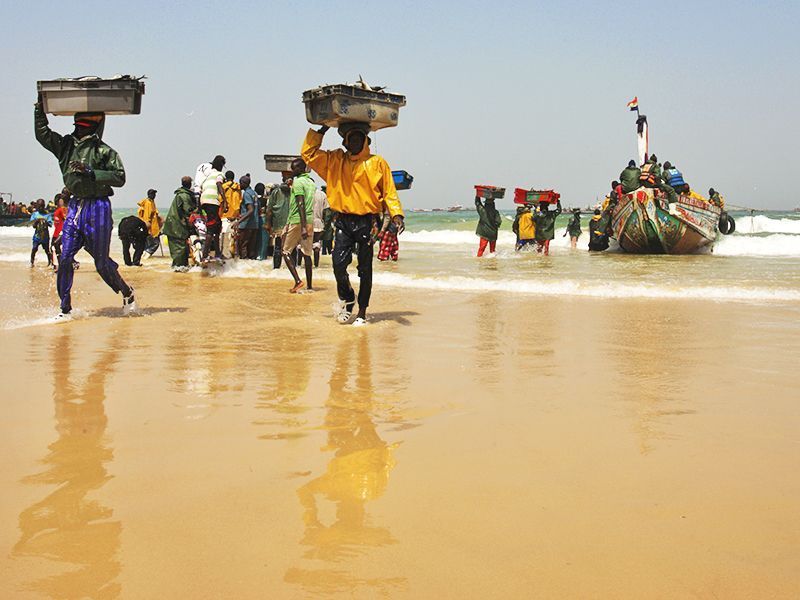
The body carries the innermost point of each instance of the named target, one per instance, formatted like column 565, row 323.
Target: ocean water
column 759, row 263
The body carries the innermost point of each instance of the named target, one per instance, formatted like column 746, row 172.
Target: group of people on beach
column 360, row 207
column 21, row 210
column 534, row 227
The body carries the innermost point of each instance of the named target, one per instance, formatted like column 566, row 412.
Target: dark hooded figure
column 90, row 168
column 630, row 177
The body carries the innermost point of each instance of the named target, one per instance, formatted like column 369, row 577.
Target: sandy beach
column 235, row 442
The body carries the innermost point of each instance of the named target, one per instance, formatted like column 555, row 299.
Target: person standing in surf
column 211, row 193
column 489, row 221
column 360, row 187
column 90, row 168
column 545, row 220
column 299, row 229
column 574, row 228
column 41, row 221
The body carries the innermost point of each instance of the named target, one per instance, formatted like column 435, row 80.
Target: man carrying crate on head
column 360, row 185
column 90, row 169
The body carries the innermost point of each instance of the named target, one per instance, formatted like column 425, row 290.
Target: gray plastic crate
column 333, row 105
column 277, row 163
column 121, row 96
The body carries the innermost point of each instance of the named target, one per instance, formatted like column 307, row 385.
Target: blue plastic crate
column 402, row 180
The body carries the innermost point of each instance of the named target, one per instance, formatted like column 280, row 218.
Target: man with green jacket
column 90, row 168
column 630, row 176
column 546, row 225
column 489, row 221
column 277, row 215
column 176, row 225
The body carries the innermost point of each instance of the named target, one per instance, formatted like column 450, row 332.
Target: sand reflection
column 651, row 362
column 357, row 473
column 68, row 526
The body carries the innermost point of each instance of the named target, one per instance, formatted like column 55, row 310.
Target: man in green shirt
column 629, row 178
column 276, row 215
column 545, row 220
column 176, row 225
column 300, row 223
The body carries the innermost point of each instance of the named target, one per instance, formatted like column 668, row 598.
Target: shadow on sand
column 397, row 316
column 115, row 313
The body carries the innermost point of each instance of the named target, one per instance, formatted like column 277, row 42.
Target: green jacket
column 515, row 224
column 574, row 226
column 327, row 220
column 629, row 178
column 546, row 223
column 489, row 220
column 105, row 162
column 176, row 225
column 278, row 208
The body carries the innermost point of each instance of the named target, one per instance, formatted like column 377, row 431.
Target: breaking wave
column 764, row 224
column 589, row 289
column 776, row 244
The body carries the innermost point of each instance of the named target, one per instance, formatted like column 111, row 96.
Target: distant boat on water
column 455, row 208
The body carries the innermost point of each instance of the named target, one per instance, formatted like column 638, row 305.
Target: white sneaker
column 340, row 311
column 62, row 316
column 129, row 304
column 359, row 322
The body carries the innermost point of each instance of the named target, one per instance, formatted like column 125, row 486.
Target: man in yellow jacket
column 149, row 214
column 360, row 186
column 233, row 196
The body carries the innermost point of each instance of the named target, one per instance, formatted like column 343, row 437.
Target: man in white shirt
column 211, row 194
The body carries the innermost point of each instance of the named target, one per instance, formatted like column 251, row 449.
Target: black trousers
column 352, row 230
column 138, row 249
column 277, row 252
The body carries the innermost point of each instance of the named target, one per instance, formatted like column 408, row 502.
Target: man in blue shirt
column 247, row 223
column 41, row 221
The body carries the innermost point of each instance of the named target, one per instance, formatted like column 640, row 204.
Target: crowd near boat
column 342, row 202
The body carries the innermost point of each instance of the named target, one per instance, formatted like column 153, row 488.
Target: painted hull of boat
column 644, row 223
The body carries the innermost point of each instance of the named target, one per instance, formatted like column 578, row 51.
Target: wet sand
column 235, row 442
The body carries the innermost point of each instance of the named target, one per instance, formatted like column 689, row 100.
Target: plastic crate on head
column 116, row 96
column 523, row 196
column 277, row 163
column 490, row 192
column 402, row 180
column 333, row 105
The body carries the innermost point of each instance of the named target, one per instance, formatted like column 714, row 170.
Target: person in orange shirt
column 233, row 196
column 360, row 187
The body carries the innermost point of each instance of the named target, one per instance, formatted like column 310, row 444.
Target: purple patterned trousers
column 88, row 225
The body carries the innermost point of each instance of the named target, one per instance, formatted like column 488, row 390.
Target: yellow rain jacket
column 359, row 184
column 149, row 214
column 233, row 195
column 527, row 228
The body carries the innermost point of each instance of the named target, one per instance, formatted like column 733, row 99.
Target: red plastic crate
column 489, row 191
column 522, row 196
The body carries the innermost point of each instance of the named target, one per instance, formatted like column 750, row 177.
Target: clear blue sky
column 514, row 94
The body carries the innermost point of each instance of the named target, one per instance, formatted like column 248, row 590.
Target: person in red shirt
column 59, row 216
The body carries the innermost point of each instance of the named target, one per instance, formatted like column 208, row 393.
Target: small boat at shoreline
column 13, row 220
column 643, row 222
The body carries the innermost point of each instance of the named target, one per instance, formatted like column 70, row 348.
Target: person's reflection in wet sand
column 286, row 374
column 67, row 526
column 652, row 382
column 357, row 473
column 488, row 347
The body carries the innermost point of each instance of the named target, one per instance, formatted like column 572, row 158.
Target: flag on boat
column 634, row 104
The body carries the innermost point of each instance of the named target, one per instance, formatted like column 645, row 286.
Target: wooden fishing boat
column 643, row 222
